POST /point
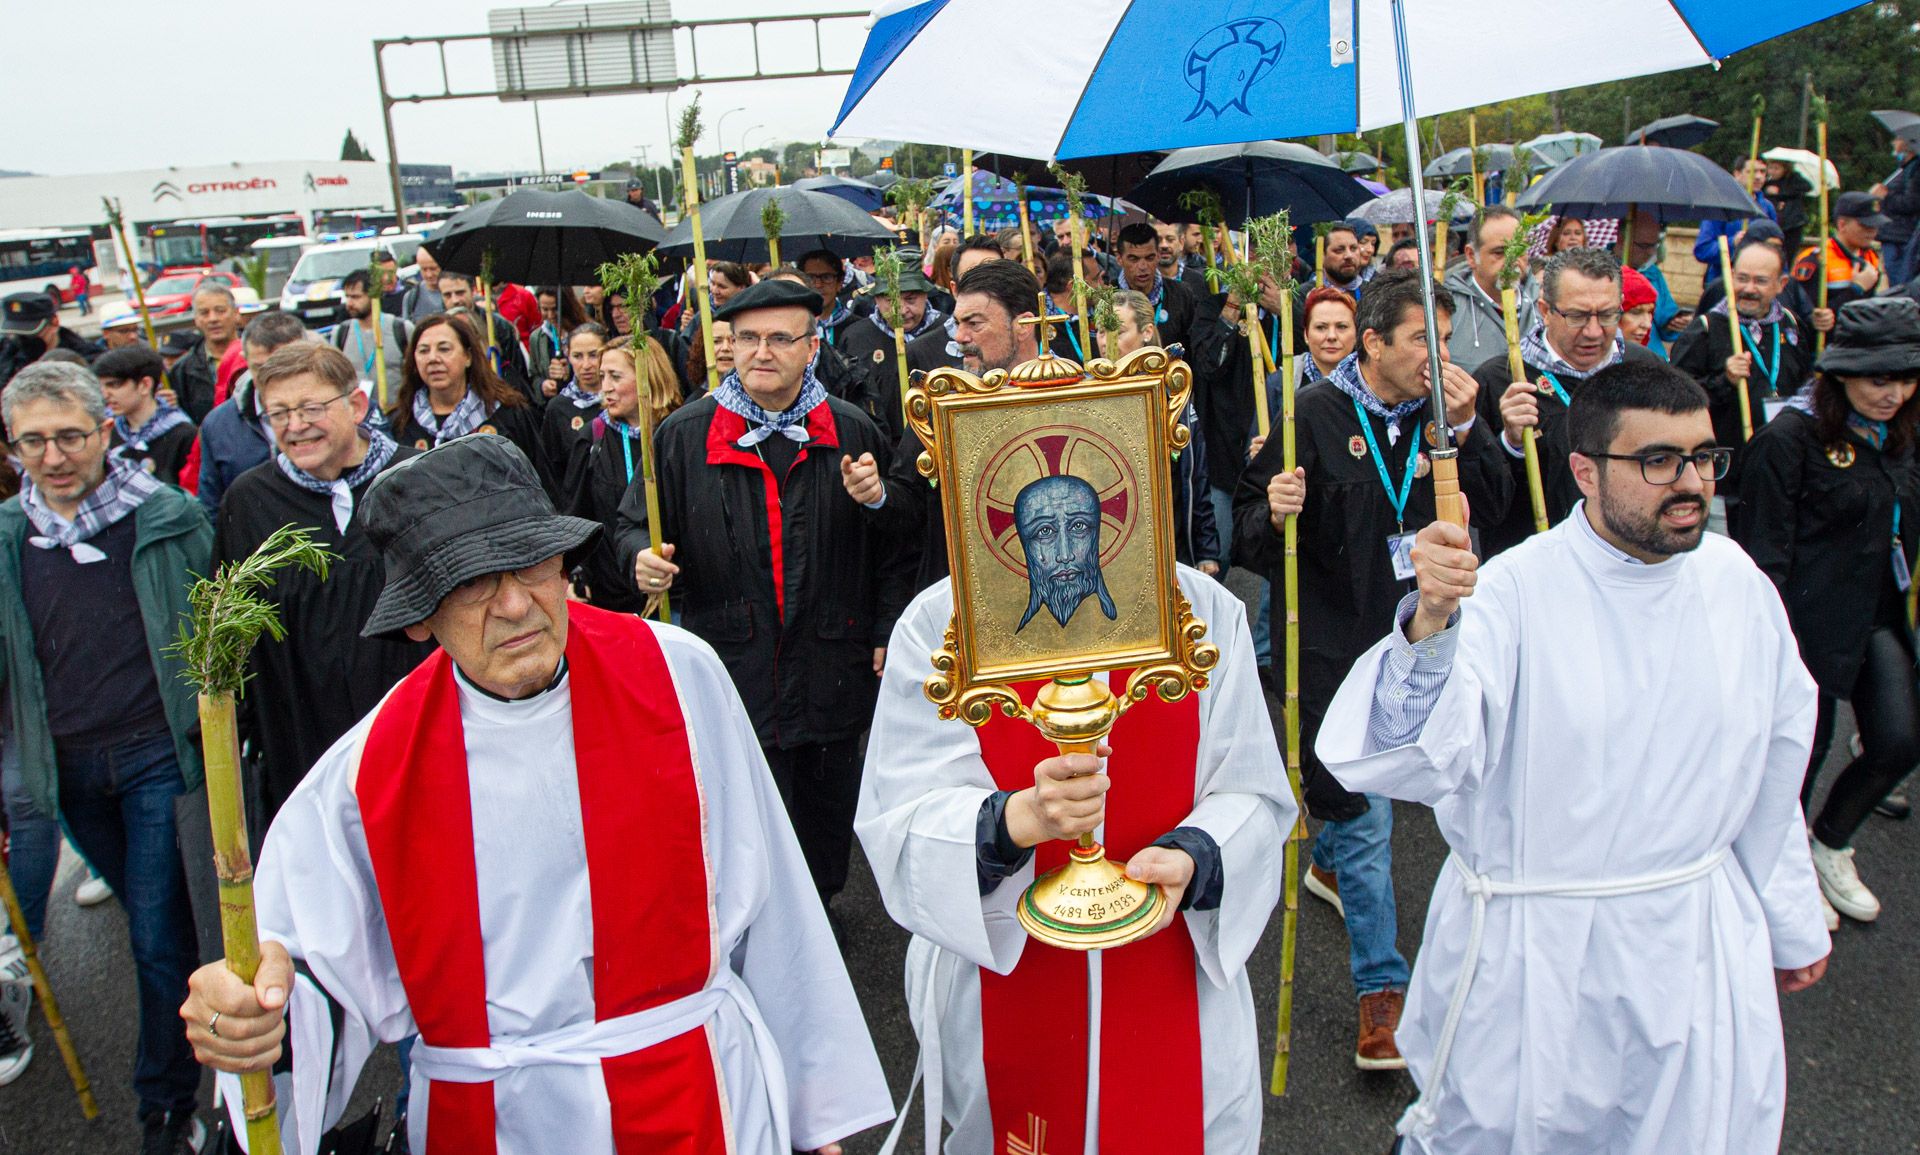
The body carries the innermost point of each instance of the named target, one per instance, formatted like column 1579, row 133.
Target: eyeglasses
column 778, row 342
column 33, row 446
column 1608, row 318
column 312, row 413
column 1662, row 467
column 482, row 588
column 823, row 278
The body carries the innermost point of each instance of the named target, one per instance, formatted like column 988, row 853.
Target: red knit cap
column 1635, row 289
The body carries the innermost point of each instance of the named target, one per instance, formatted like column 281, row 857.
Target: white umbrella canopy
column 1808, row 164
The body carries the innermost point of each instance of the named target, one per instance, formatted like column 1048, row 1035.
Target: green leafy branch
column 1520, row 172
column 911, row 195
column 376, row 274
column 773, row 219
column 229, row 615
column 1270, row 239
column 1204, row 204
column 1105, row 317
column 633, row 277
column 1075, row 186
column 888, row 268
column 689, row 131
column 1516, row 248
column 1450, row 200
column 1817, row 108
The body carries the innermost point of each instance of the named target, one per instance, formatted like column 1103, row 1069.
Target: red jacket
column 520, row 307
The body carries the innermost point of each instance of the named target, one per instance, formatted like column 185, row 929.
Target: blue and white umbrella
column 1165, row 74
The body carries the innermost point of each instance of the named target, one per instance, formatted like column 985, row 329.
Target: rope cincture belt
column 1419, row 1118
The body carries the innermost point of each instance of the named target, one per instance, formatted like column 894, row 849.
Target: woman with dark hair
column 1566, row 233
column 560, row 312
column 1833, row 518
column 451, row 390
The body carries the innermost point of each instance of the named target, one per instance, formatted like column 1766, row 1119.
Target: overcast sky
column 137, row 85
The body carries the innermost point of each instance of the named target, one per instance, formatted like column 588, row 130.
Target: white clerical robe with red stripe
column 600, row 925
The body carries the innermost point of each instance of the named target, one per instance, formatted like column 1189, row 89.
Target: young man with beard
column 355, row 336
column 311, row 686
column 1774, row 362
column 1576, row 334
column 1610, row 722
column 1364, row 434
column 992, row 298
column 792, row 582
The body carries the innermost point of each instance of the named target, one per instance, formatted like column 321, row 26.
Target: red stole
column 645, row 831
column 1034, row 1021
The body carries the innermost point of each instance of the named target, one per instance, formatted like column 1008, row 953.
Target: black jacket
column 519, row 424
column 1901, row 204
column 1347, row 588
column 791, row 581
column 869, row 354
column 1701, row 351
column 1175, row 317
column 566, row 434
column 18, row 352
column 164, row 456
column 1556, row 476
column 602, row 493
column 1223, row 391
column 1824, row 533
column 192, row 379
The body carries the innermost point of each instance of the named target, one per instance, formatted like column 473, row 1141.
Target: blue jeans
column 1360, row 854
column 33, row 841
column 118, row 804
column 1895, row 261
column 1222, row 502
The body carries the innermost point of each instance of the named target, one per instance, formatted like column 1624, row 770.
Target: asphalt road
column 1854, row 1079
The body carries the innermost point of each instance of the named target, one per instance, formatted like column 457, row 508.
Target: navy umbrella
column 868, row 198
column 1671, row 184
column 1108, row 176
column 814, row 220
column 544, row 238
column 1675, row 131
column 1252, row 180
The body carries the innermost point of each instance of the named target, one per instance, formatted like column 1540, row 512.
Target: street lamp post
column 720, row 130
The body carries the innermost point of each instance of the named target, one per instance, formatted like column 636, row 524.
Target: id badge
column 1771, row 407
column 1902, row 576
column 1400, row 549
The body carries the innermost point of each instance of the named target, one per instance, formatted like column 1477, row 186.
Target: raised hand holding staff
column 1444, row 571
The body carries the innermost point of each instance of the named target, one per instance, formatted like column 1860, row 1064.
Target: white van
column 283, row 253
column 312, row 291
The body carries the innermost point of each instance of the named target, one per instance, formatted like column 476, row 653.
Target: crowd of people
column 494, row 547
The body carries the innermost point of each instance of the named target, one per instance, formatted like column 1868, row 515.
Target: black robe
column 1556, row 475
column 566, row 433
column 604, row 491
column 322, row 678
column 791, row 581
column 163, row 456
column 519, row 424
column 1701, row 352
column 869, row 353
column 1347, row 589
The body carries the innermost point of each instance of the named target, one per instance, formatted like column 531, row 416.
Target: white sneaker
column 1840, row 882
column 16, row 1000
column 1832, row 915
column 93, row 891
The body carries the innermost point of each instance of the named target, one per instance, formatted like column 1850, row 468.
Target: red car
column 171, row 294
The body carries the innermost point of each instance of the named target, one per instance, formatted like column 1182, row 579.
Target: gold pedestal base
column 1090, row 904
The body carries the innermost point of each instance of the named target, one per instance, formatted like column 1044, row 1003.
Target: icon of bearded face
column 1058, row 520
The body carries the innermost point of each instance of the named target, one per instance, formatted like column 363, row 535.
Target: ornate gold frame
column 1179, row 659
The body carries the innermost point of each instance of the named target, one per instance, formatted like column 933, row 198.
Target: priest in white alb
column 1144, row 1049
column 555, row 854
column 1611, row 722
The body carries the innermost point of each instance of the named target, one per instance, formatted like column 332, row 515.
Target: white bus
column 42, row 260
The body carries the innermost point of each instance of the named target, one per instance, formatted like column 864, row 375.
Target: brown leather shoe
column 1379, row 1017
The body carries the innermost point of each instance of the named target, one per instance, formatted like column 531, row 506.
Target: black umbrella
column 544, row 238
column 1358, row 162
column 1904, row 125
column 1459, row 161
column 1252, row 180
column 1671, row 184
column 1675, row 131
column 868, row 198
column 1107, row 176
column 814, row 220
column 883, row 180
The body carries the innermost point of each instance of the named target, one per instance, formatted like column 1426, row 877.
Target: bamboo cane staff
column 1321, row 230
column 1075, row 187
column 1512, row 255
column 119, row 223
column 636, row 276
column 229, row 615
column 966, row 200
column 377, row 286
column 1739, row 346
column 1473, row 159
column 773, row 218
column 1753, row 153
column 888, row 267
column 1443, row 225
column 1820, row 265
column 49, row 1006
column 486, row 296
column 690, row 195
column 1026, row 221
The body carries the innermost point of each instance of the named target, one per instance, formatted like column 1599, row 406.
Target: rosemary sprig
column 1271, row 239
column 773, row 219
column 887, row 271
column 1204, row 204
column 229, row 615
column 1516, row 248
column 632, row 276
column 690, row 128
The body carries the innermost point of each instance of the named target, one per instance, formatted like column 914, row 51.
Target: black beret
column 770, row 294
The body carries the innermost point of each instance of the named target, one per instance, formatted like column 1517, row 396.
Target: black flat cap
column 1879, row 336
column 25, row 312
column 1862, row 207
column 459, row 511
column 770, row 295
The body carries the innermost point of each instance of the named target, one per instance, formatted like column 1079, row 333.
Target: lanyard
column 360, row 342
column 1557, row 390
column 1074, row 340
column 619, row 428
column 1380, row 463
column 1772, row 371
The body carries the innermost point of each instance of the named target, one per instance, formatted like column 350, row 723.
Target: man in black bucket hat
column 518, row 857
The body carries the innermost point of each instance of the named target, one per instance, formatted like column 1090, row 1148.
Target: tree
column 352, row 149
column 798, row 157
